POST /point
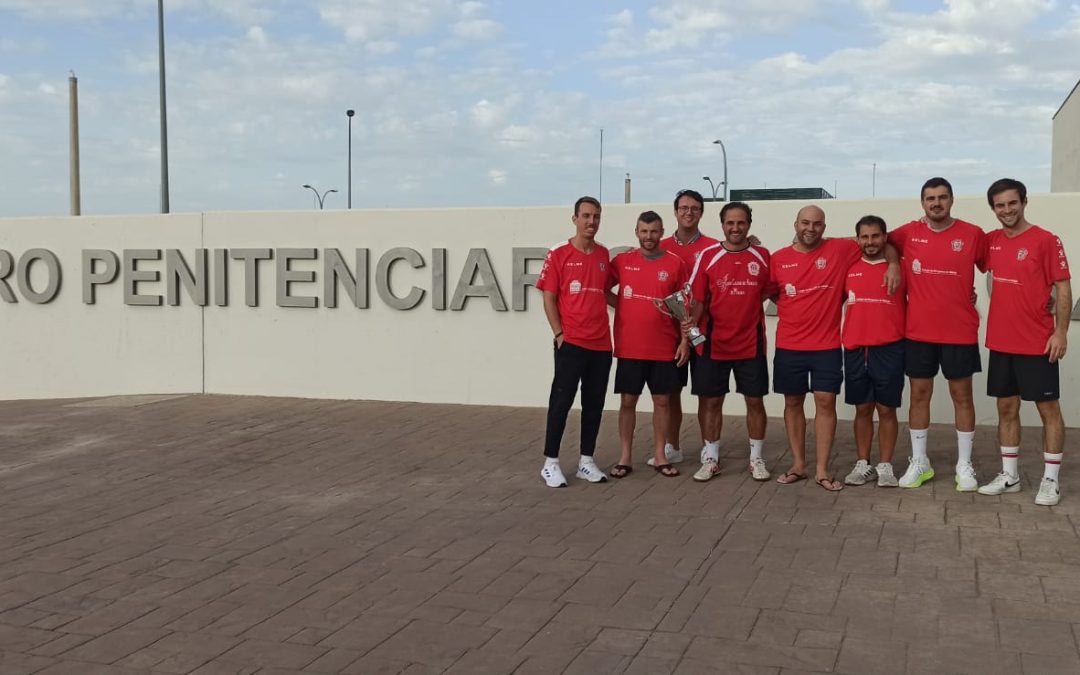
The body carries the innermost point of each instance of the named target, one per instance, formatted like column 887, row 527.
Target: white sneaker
column 1001, row 484
column 918, row 472
column 1049, row 493
column 885, row 475
column 587, row 470
column 708, row 470
column 860, row 474
column 553, row 475
column 758, row 470
column 673, row 456
column 965, row 478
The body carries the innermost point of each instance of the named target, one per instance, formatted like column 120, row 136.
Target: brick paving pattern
column 214, row 534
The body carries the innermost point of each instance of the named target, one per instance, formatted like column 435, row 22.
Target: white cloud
column 497, row 176
column 257, row 35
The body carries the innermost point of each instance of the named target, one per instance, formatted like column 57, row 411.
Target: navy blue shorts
column 631, row 376
column 875, row 374
column 797, row 372
column 957, row 362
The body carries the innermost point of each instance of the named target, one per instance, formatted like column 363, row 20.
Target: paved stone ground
column 215, row 534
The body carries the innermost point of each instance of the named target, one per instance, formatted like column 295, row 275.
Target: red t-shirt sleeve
column 549, row 274
column 898, row 238
column 613, row 274
column 1057, row 265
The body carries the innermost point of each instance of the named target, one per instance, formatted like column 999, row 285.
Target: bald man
column 807, row 279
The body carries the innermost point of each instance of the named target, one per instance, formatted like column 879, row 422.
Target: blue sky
column 473, row 103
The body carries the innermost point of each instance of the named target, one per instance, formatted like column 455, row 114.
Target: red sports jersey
column 731, row 285
column 688, row 252
column 811, row 291
column 1024, row 269
column 873, row 316
column 641, row 330
column 939, row 271
column 580, row 280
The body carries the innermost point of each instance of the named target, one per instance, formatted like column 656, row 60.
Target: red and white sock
column 1052, row 465
column 1010, row 458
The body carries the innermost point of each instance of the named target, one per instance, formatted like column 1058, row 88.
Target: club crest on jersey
column 603, row 267
column 753, row 268
column 957, row 245
column 820, row 263
column 1021, row 254
column 627, row 292
column 916, row 266
column 575, row 287
column 662, row 275
column 790, row 290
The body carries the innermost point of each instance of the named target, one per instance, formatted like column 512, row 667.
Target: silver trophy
column 677, row 306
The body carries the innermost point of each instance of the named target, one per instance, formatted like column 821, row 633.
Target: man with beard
column 648, row 343
column 574, row 280
column 808, row 278
column 940, row 254
column 873, row 338
column 687, row 242
column 1026, row 342
column 729, row 284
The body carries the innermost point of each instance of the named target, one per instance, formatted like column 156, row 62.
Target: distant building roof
column 765, row 194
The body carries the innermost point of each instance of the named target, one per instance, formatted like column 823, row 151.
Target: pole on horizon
column 73, row 152
column 161, row 96
column 600, row 197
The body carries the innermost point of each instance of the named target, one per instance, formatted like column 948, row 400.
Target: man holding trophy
column 649, row 345
column 728, row 285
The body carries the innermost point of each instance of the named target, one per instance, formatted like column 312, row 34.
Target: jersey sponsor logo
column 820, row 263
column 790, row 290
column 851, row 296
column 957, row 245
column 663, row 275
column 920, row 241
column 789, row 266
column 1021, row 254
column 627, row 292
column 916, row 266
column 575, row 287
column 753, row 268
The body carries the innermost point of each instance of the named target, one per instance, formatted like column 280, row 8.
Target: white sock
column 964, row 442
column 1010, row 459
column 711, row 452
column 918, row 443
column 756, row 446
column 586, row 459
column 1052, row 466
column 548, row 461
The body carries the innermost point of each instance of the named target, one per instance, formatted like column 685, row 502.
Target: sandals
column 620, row 471
column 829, row 484
column 790, row 478
column 667, row 470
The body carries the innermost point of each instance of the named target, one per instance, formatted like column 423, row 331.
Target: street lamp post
column 711, row 186
column 349, row 113
column 320, row 197
column 724, row 151
column 161, row 104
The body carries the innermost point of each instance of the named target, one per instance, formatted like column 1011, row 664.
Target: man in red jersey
column 809, row 280
column 873, row 337
column 686, row 242
column 940, row 254
column 729, row 285
column 574, row 280
column 649, row 346
column 1025, row 340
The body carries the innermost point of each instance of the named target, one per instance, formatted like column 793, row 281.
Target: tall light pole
column 320, row 197
column 349, row 113
column 161, row 96
column 711, row 186
column 600, row 195
column 724, row 151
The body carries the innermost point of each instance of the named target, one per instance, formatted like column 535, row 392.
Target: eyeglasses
column 690, row 209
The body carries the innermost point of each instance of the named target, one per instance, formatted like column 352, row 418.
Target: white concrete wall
column 1065, row 146
column 476, row 356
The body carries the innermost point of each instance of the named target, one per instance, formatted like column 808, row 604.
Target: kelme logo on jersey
column 1021, row 254
column 820, row 263
column 575, row 287
column 790, row 290
column 627, row 292
column 663, row 275
column 753, row 268
column 957, row 245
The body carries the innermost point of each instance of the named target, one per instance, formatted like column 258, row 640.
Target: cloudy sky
column 501, row 102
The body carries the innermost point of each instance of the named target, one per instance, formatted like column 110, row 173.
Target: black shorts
column 956, row 361
column 797, row 372
column 712, row 377
column 631, row 376
column 874, row 374
column 1032, row 378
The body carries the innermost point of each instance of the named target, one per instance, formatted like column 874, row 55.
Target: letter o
column 52, row 267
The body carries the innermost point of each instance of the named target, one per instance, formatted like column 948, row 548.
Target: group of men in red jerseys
column 910, row 311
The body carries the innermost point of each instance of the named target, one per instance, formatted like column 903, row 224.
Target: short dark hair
column 650, row 217
column 692, row 194
column 585, row 200
column 871, row 220
column 1003, row 184
column 936, row 182
column 737, row 205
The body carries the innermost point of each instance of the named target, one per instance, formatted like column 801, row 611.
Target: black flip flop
column 797, row 477
column 667, row 470
column 620, row 471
